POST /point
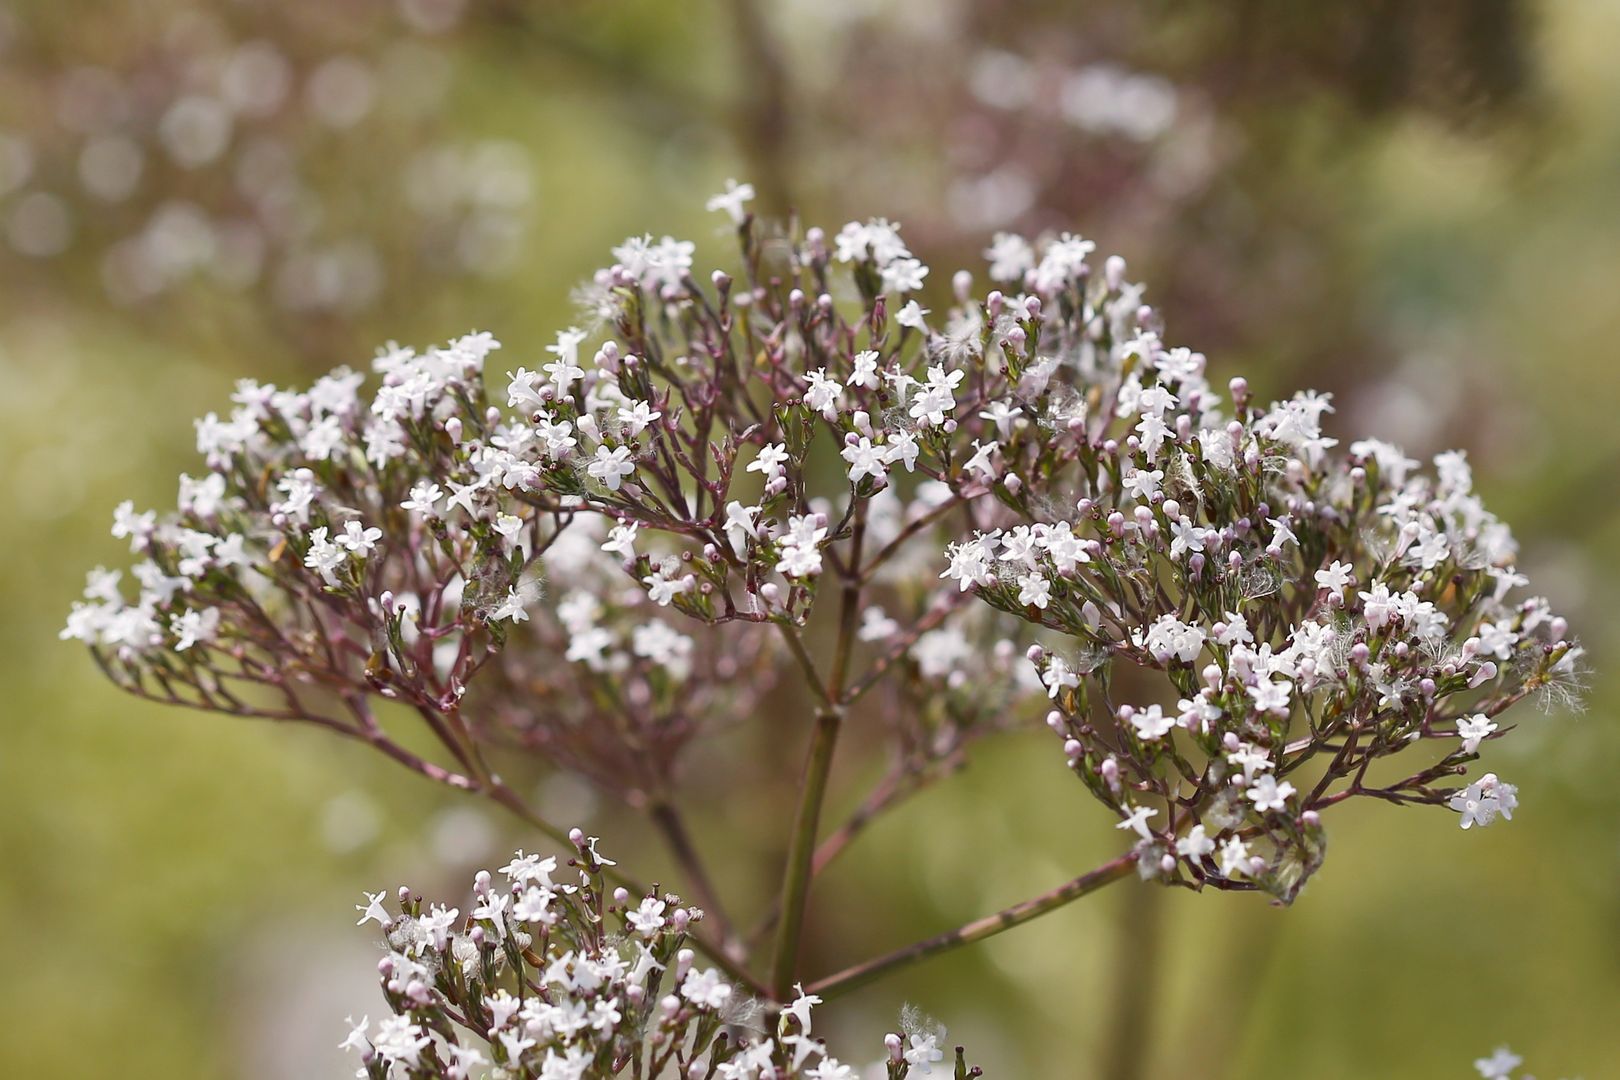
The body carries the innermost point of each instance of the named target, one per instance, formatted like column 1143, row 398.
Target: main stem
column 978, row 929
column 801, row 851
column 800, row 866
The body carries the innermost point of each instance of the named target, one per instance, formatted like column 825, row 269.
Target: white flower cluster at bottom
column 559, row 980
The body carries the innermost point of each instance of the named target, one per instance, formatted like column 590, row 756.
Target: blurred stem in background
column 1251, row 945
column 1136, row 963
column 761, row 117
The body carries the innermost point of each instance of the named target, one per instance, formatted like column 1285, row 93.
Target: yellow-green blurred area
column 1416, row 207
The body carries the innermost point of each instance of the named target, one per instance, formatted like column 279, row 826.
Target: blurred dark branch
column 762, row 118
column 655, row 102
column 1130, row 1029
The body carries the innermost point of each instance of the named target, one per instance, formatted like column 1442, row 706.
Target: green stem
column 978, row 929
column 801, row 851
column 800, row 868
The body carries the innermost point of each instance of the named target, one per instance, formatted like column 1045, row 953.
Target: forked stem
column 977, row 930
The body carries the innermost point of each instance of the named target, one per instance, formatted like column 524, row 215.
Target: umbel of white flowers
column 572, row 979
column 1232, row 623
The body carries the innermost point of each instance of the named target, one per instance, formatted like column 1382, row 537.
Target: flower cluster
column 554, row 974
column 1501, row 1065
column 391, row 541
column 1311, row 613
column 733, row 482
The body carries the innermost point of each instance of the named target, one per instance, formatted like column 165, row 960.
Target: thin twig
column 977, row 930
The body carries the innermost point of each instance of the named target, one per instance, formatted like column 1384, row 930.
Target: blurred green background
column 1414, row 206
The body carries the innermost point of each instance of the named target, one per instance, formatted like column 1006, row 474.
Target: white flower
column 611, row 466
column 1474, row 729
column 662, row 590
column 739, row 527
column 399, row 1040
column 647, row 919
column 663, row 645
column 1481, row 801
column 936, row 397
column 565, row 370
column 902, row 448
column 425, row 495
column 1058, row 677
column 1010, row 256
column 373, row 909
column 799, row 1008
column 1151, row 723
column 1136, row 818
column 970, row 562
column 463, row 1059
column 622, row 539
column 605, row 1016
column 1034, row 589
column 1500, row 1065
column 1281, row 534
column 822, row 393
column 638, row 416
column 732, row 201
column 705, row 989
column 510, row 608
column 1143, row 484
column 1377, row 605
column 769, row 460
column 1195, row 845
column 980, row 461
column 902, row 275
column 800, row 550
column 323, row 555
column 1250, row 758
column 924, row 1051
column 137, row 528
column 865, row 460
column 1268, row 794
column 359, row 540
column 912, row 315
column 1272, row 697
column 1336, row 576
column 1060, row 266
column 864, row 373
column 193, row 626
column 1234, row 858
column 1168, row 638
column 356, row 1039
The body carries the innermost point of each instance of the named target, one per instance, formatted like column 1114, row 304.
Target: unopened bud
column 962, row 286
column 1114, row 272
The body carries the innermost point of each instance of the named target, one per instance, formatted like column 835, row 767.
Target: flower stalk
column 988, row 926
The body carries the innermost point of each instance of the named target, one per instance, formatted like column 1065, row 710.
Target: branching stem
column 977, row 930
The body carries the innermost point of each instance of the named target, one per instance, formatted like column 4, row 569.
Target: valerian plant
column 792, row 470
